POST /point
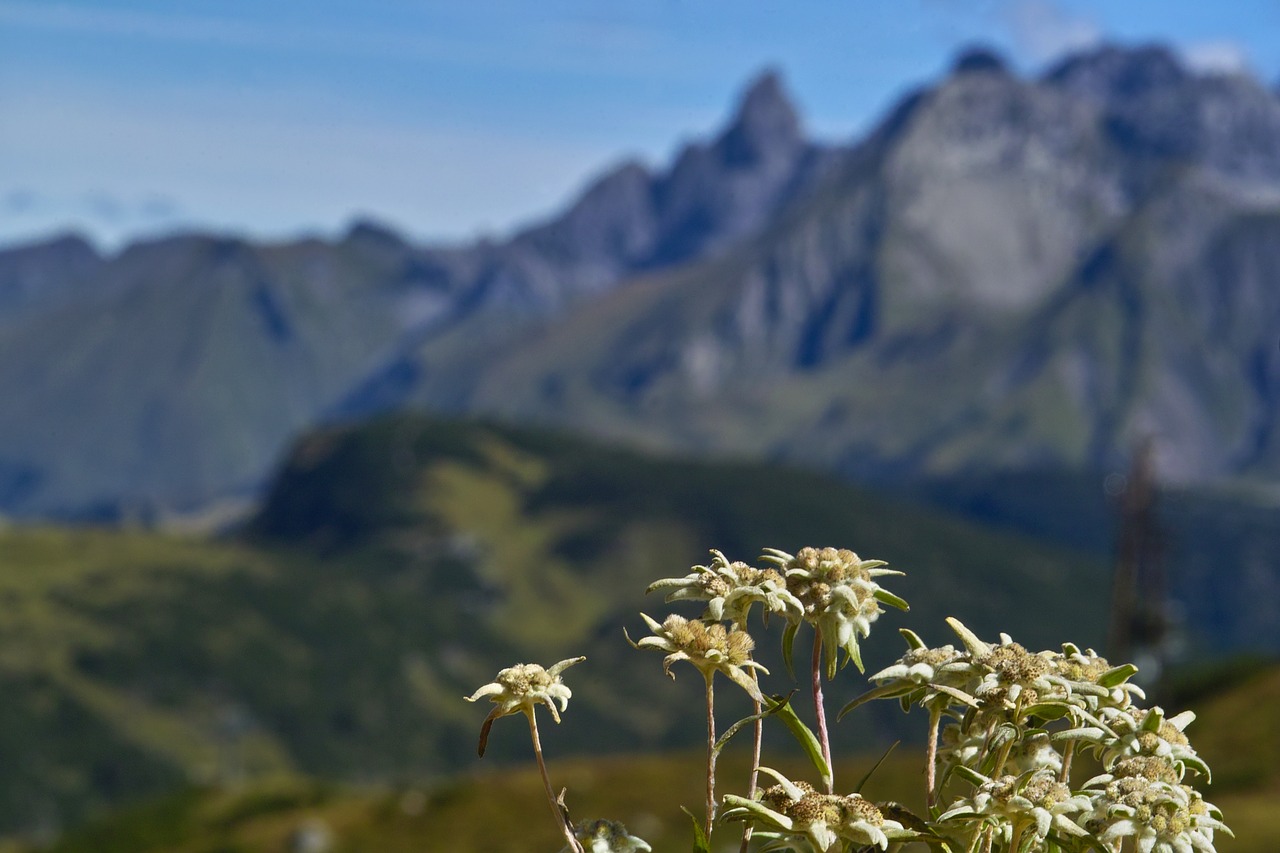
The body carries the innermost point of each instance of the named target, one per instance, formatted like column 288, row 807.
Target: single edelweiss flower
column 1139, row 732
column 730, row 589
column 523, row 687
column 710, row 647
column 1034, row 801
column 1096, row 682
column 1139, row 799
column 839, row 594
column 607, row 836
column 794, row 813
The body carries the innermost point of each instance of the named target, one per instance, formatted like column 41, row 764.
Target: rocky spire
column 765, row 126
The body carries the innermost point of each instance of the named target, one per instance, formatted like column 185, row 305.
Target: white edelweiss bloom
column 839, row 595
column 1141, row 799
column 1036, row 801
column 794, row 812
column 730, row 589
column 709, row 647
column 521, row 688
column 607, row 836
column 1148, row 732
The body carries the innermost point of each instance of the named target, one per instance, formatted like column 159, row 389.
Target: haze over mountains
column 1006, row 275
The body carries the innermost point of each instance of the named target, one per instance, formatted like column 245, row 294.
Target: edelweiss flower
column 1097, row 683
column 1141, row 798
column 522, row 688
column 839, row 595
column 793, row 813
column 607, row 836
column 1139, row 732
column 1035, row 801
column 709, row 647
column 730, row 589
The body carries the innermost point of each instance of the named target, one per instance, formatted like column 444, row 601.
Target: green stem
column 824, row 739
column 556, row 812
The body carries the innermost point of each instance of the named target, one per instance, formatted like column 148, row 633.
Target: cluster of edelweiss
column 1004, row 727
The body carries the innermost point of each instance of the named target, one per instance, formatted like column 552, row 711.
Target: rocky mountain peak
column 765, row 126
column 1112, row 73
column 979, row 59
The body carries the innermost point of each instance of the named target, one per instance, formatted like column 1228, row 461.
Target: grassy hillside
column 504, row 810
column 399, row 565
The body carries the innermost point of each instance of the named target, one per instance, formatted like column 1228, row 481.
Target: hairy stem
column 1067, row 754
column 556, row 812
column 711, row 753
column 931, row 758
column 824, row 739
column 758, row 709
column 1015, row 841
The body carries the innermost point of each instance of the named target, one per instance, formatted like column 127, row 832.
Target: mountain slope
column 1006, row 275
column 173, row 374
column 398, row 566
column 999, row 278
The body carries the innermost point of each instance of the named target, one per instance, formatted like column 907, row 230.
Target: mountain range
column 1007, row 274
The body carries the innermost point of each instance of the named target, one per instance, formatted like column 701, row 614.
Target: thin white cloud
column 1218, row 56
column 1044, row 31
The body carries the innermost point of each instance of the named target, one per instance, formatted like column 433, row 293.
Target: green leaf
column 970, row 775
column 912, row 638
column 883, row 596
column 857, row 789
column 735, row 728
column 957, row 694
column 788, row 640
column 1151, row 722
column 884, row 691
column 1090, row 733
column 701, row 844
column 856, row 656
column 1117, row 675
column 1197, row 764
column 802, row 733
column 975, row 646
column 1047, row 710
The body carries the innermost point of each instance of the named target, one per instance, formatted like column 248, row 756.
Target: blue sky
column 455, row 118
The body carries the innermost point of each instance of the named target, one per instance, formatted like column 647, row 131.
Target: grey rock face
column 1007, row 273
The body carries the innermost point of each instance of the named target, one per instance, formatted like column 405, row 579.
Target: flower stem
column 755, row 763
column 711, row 752
column 824, row 739
column 1067, row 755
column 1015, row 842
column 556, row 812
column 931, row 758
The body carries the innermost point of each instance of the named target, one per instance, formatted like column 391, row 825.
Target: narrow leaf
column 802, row 733
column 484, row 731
column 883, row 596
column 735, row 728
column 701, row 844
column 788, row 640
column 976, row 647
column 1117, row 675
column 957, row 694
column 857, row 789
column 884, row 691
column 1151, row 722
column 912, row 638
